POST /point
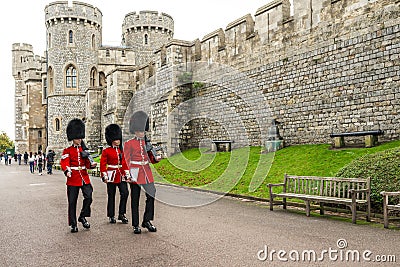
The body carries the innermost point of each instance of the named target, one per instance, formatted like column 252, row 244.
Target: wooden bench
column 215, row 146
column 336, row 190
column 371, row 137
column 389, row 207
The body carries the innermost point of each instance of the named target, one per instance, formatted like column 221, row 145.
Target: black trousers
column 123, row 192
column 72, row 194
column 148, row 215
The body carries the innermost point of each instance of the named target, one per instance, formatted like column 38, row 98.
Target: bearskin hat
column 113, row 132
column 139, row 122
column 75, row 129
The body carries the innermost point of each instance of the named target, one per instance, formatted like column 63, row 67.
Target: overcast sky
column 23, row 22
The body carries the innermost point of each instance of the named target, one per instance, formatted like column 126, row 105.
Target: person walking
column 139, row 156
column 50, row 161
column 74, row 163
column 40, row 162
column 19, row 156
column 26, row 157
column 114, row 172
column 31, row 160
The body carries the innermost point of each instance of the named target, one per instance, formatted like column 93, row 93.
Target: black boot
column 74, row 229
column 112, row 219
column 149, row 226
column 122, row 218
column 137, row 230
column 84, row 222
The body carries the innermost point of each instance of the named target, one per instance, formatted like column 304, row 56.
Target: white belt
column 114, row 166
column 78, row 168
column 140, row 162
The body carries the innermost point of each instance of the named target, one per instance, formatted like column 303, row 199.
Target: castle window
column 93, row 42
column 39, row 134
column 93, row 77
column 123, row 53
column 44, row 88
column 71, row 37
column 49, row 41
column 146, row 39
column 57, row 124
column 27, row 95
column 70, row 77
column 102, row 79
column 50, row 74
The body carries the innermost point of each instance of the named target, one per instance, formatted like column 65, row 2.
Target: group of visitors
column 8, row 157
column 38, row 161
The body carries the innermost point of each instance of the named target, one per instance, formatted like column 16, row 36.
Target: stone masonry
column 318, row 67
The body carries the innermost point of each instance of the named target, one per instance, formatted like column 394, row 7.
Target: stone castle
column 327, row 66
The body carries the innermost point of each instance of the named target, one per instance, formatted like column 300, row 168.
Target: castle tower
column 30, row 130
column 74, row 34
column 146, row 32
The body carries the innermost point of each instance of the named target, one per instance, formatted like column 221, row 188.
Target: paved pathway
column 227, row 232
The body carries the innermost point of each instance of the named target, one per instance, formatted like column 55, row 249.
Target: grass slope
column 244, row 171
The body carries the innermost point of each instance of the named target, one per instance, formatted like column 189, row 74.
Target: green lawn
column 246, row 171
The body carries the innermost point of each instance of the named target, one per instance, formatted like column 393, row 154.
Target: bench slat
column 320, row 198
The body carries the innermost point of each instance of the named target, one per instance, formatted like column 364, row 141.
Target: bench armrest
column 383, row 193
column 272, row 185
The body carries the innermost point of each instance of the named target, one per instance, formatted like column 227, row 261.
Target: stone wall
column 64, row 109
column 330, row 68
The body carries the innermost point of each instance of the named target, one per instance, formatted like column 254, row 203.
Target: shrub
column 384, row 170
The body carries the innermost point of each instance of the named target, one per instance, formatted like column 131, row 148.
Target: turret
column 74, row 34
column 146, row 32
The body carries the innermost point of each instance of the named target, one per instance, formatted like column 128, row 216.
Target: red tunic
column 112, row 165
column 71, row 160
column 138, row 161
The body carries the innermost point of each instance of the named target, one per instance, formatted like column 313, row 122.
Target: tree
column 5, row 142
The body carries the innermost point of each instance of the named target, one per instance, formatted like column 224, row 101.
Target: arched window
column 93, row 77
column 71, row 37
column 93, row 42
column 102, row 79
column 70, row 77
column 39, row 134
column 146, row 39
column 57, row 124
column 50, row 78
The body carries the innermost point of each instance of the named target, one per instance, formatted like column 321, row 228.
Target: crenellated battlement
column 148, row 21
column 78, row 12
column 22, row 47
column 24, row 60
column 312, row 22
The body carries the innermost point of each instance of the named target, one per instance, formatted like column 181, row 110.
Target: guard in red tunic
column 138, row 155
column 114, row 172
column 75, row 162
